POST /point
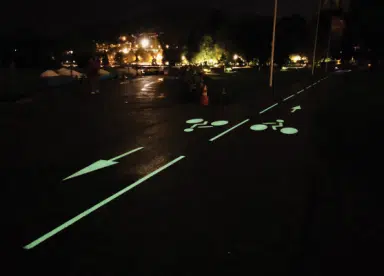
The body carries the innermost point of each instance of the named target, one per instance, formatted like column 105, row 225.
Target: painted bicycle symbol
column 200, row 123
column 275, row 126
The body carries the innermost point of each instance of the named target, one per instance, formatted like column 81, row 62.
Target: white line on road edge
column 99, row 205
column 293, row 95
column 228, row 130
column 148, row 84
column 272, row 106
column 298, row 92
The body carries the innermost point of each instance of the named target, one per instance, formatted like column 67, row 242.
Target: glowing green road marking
column 219, row 123
column 272, row 106
column 289, row 130
column 228, row 130
column 101, row 164
column 298, row 107
column 194, row 121
column 127, row 153
column 97, row 206
column 287, row 98
column 258, row 127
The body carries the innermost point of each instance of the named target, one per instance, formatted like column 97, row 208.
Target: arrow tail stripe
column 127, row 153
column 97, row 206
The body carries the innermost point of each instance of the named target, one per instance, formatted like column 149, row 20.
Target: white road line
column 148, row 84
column 228, row 130
column 289, row 97
column 298, row 92
column 272, row 106
column 99, row 205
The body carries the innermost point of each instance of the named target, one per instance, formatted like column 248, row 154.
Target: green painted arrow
column 298, row 107
column 101, row 164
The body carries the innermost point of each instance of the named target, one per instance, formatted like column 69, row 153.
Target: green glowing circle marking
column 195, row 121
column 188, row 130
column 219, row 123
column 289, row 130
column 259, row 127
column 280, row 121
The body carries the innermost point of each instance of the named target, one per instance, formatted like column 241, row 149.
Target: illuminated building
column 143, row 48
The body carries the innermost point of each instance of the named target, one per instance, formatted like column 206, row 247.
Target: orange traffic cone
column 204, row 100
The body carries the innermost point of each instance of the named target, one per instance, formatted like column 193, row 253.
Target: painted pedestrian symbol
column 275, row 126
column 200, row 123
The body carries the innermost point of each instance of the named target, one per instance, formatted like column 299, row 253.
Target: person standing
column 93, row 75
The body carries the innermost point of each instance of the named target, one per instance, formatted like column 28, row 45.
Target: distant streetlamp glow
column 144, row 42
column 125, row 50
column 235, row 57
column 295, row 58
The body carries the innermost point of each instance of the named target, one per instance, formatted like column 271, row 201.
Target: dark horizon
column 41, row 19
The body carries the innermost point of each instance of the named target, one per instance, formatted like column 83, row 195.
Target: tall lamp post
column 328, row 47
column 273, row 47
column 316, row 36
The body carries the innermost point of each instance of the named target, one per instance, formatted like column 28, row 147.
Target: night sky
column 55, row 17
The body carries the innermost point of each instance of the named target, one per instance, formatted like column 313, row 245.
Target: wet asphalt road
column 224, row 200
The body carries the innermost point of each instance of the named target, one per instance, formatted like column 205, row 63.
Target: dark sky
column 55, row 16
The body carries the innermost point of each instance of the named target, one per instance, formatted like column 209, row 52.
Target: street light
column 235, row 57
column 273, row 46
column 317, row 33
column 144, row 42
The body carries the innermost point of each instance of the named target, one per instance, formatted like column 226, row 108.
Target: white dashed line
column 265, row 110
column 289, row 97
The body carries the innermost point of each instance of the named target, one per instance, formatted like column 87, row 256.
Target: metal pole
column 317, row 33
column 329, row 46
column 273, row 46
column 71, row 66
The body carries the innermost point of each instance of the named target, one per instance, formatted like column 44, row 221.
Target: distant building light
column 167, row 46
column 144, row 42
column 15, row 50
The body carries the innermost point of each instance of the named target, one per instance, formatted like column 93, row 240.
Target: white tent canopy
column 49, row 73
column 103, row 72
column 67, row 72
